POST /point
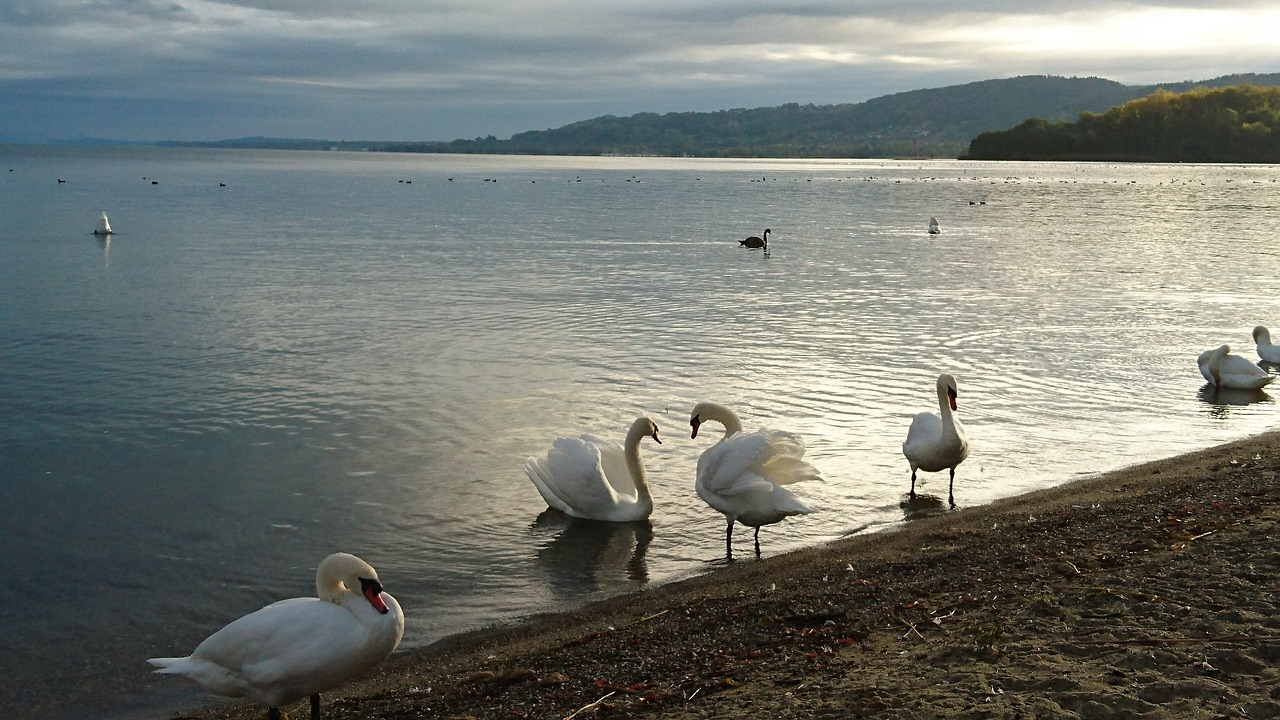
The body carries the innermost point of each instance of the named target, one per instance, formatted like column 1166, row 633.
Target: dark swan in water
column 755, row 242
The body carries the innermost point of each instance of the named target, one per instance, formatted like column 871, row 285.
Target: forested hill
column 936, row 122
column 1231, row 124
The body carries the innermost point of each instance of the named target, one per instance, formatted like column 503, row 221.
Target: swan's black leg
column 757, row 542
column 951, row 488
column 273, row 713
column 315, row 707
column 913, row 483
column 728, row 541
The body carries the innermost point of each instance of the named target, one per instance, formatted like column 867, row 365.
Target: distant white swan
column 937, row 442
column 1266, row 351
column 933, row 226
column 743, row 474
column 756, row 242
column 587, row 477
column 300, row 647
column 1222, row 369
column 104, row 226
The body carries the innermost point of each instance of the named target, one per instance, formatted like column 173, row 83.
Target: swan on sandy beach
column 104, row 226
column 937, row 442
column 299, row 647
column 743, row 474
column 1266, row 351
column 756, row 242
column 1222, row 369
column 933, row 226
column 587, row 477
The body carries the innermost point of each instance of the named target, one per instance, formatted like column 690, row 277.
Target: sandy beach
column 1153, row 591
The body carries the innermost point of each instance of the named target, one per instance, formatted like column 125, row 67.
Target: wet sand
column 1153, row 591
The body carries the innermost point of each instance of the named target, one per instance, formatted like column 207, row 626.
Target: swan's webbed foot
column 276, row 714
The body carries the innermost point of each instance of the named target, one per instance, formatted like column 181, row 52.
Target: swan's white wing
column 281, row 653
column 784, row 463
column 726, row 468
column 1237, row 371
column 925, row 428
column 573, row 473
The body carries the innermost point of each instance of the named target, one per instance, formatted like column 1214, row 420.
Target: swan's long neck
column 732, row 423
column 944, row 410
column 634, row 464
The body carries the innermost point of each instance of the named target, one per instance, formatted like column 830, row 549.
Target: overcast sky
column 441, row 70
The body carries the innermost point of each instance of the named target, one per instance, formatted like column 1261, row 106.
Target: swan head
column 947, row 389
column 343, row 573
column 1261, row 335
column 644, row 426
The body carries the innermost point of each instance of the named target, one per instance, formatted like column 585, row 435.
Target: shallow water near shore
column 357, row 352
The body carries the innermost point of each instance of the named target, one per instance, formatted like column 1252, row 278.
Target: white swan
column 1266, row 351
column 743, row 474
column 1222, row 369
column 937, row 442
column 933, row 226
column 104, row 226
column 586, row 477
column 301, row 646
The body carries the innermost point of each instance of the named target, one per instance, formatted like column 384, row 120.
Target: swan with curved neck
column 299, row 647
column 757, row 242
column 1266, row 351
column 1222, row 369
column 937, row 442
column 594, row 479
column 743, row 474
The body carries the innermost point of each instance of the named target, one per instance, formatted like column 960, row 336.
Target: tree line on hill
column 938, row 122
column 1239, row 124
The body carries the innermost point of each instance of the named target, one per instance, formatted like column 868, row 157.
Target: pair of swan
column 742, row 475
column 299, row 647
column 1224, row 370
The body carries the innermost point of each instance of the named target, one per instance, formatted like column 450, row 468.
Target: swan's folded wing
column 727, row 467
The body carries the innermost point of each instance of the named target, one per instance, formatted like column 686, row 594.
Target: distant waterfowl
column 1222, row 369
column 756, row 242
column 587, row 477
column 933, row 226
column 60, row 181
column 1266, row 351
column 743, row 475
column 299, row 647
column 937, row 442
column 104, row 226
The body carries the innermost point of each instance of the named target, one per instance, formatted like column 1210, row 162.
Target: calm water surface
column 357, row 352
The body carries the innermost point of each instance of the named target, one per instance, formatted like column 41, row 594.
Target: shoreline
column 1147, row 590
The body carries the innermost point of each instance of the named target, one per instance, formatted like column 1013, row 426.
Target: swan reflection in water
column 1221, row 400
column 589, row 556
column 922, row 506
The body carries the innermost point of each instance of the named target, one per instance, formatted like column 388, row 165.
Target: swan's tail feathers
column 171, row 665
column 535, row 468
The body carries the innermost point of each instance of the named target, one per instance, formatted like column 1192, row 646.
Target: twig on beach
column 647, row 618
column 1203, row 534
column 912, row 628
column 588, row 706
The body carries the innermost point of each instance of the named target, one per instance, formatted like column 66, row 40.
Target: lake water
column 358, row 351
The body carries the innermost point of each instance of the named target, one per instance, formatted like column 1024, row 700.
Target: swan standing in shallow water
column 755, row 242
column 937, row 442
column 300, row 647
column 104, row 226
column 743, row 474
column 587, row 477
column 1266, row 351
column 1222, row 369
